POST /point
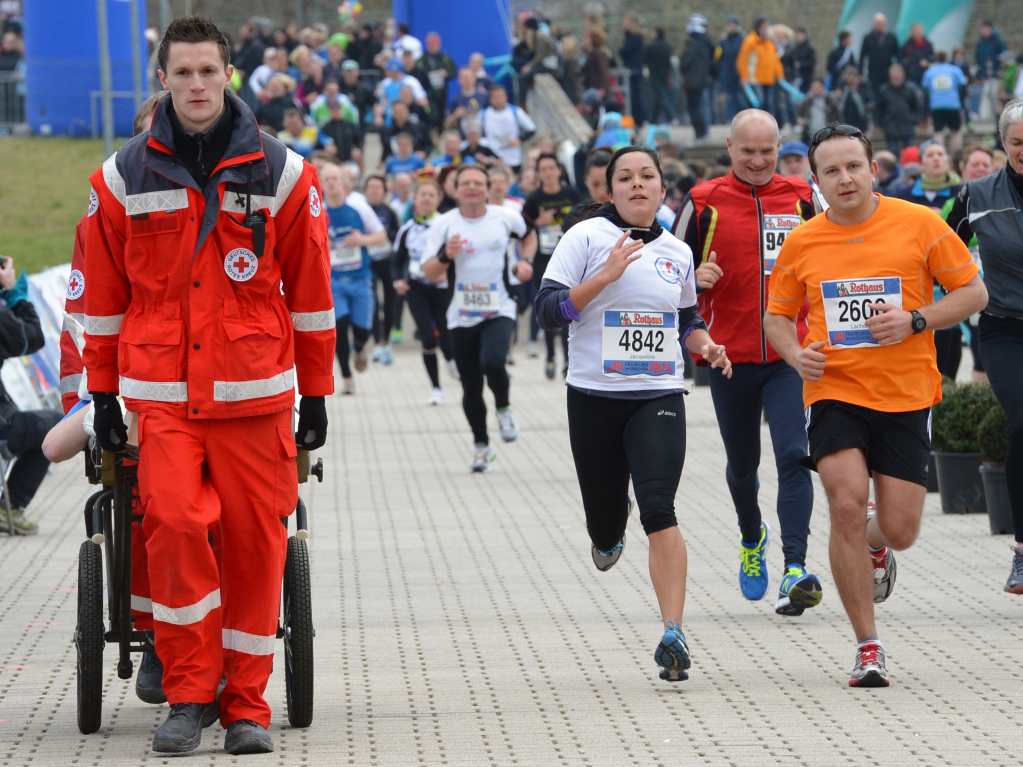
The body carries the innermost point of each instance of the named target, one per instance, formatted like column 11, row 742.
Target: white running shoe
column 506, row 422
column 482, row 457
column 436, row 397
column 453, row 370
column 532, row 350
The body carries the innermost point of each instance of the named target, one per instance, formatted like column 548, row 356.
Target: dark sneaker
column 883, row 563
column 549, row 370
column 869, row 670
column 183, row 729
column 798, row 591
column 672, row 654
column 149, row 680
column 247, row 737
column 1015, row 583
column 754, row 577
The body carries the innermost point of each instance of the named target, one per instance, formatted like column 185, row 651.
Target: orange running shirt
column 893, row 257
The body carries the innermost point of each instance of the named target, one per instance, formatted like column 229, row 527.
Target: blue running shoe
column 799, row 590
column 378, row 354
column 753, row 575
column 672, row 654
column 387, row 356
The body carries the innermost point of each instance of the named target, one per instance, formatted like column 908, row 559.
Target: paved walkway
column 460, row 620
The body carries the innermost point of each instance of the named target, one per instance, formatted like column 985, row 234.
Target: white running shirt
column 481, row 290
column 650, row 293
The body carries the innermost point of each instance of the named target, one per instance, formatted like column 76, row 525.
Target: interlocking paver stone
column 460, row 620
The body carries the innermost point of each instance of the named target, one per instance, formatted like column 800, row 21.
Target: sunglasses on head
column 841, row 130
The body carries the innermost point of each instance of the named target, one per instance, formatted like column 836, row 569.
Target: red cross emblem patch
column 75, row 285
column 241, row 264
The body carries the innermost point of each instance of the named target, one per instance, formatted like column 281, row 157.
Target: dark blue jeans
column 1001, row 351
column 738, row 402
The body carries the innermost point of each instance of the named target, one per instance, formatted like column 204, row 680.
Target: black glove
column 312, row 423
column 111, row 433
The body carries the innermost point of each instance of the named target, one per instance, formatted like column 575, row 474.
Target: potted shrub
column 954, row 425
column 993, row 440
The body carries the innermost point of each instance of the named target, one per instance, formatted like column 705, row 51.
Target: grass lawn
column 44, row 190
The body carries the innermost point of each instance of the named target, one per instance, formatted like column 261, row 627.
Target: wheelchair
column 109, row 515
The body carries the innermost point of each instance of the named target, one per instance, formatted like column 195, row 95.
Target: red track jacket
column 746, row 226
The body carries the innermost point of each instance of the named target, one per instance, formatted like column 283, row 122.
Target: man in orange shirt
column 759, row 67
column 868, row 364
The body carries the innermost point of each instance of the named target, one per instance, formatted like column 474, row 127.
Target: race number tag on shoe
column 241, row 265
column 776, row 229
column 639, row 344
column 345, row 257
column 848, row 304
column 477, row 299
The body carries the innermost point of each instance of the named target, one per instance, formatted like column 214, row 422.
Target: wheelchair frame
column 109, row 514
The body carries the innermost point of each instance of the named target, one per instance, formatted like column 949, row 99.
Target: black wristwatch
column 919, row 322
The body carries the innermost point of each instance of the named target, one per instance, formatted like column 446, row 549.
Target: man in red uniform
column 149, row 679
column 209, row 296
column 736, row 225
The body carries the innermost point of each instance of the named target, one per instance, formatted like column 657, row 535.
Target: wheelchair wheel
column 298, row 635
column 89, row 639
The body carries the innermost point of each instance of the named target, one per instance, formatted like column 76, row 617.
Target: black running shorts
column 896, row 444
column 946, row 118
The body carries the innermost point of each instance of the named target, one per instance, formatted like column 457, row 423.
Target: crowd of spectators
column 877, row 83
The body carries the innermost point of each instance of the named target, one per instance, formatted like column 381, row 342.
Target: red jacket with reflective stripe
column 180, row 313
column 74, row 305
column 745, row 226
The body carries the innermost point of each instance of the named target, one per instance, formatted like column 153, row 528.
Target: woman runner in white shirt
column 470, row 244
column 625, row 287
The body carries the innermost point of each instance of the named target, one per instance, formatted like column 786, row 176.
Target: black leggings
column 481, row 351
column 383, row 275
column 1001, row 349
column 428, row 306
column 360, row 335
column 615, row 438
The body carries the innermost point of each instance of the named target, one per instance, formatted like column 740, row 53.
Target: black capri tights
column 615, row 438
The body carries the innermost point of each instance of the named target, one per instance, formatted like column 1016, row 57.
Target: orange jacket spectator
column 758, row 61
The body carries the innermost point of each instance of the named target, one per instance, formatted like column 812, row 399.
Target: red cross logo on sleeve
column 75, row 285
column 241, row 265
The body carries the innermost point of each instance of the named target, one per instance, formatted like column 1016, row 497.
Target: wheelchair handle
column 306, row 470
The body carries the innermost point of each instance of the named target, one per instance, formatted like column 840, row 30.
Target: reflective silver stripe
column 154, row 391
column 292, row 170
column 251, row 644
column 307, row 322
column 113, row 178
column 980, row 214
column 237, row 391
column 185, row 616
column 235, row 203
column 103, row 326
column 69, row 384
column 154, row 202
column 141, row 604
column 79, row 318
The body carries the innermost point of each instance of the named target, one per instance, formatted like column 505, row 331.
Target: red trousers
column 239, row 473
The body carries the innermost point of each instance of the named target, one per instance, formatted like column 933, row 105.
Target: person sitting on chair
column 23, row 431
